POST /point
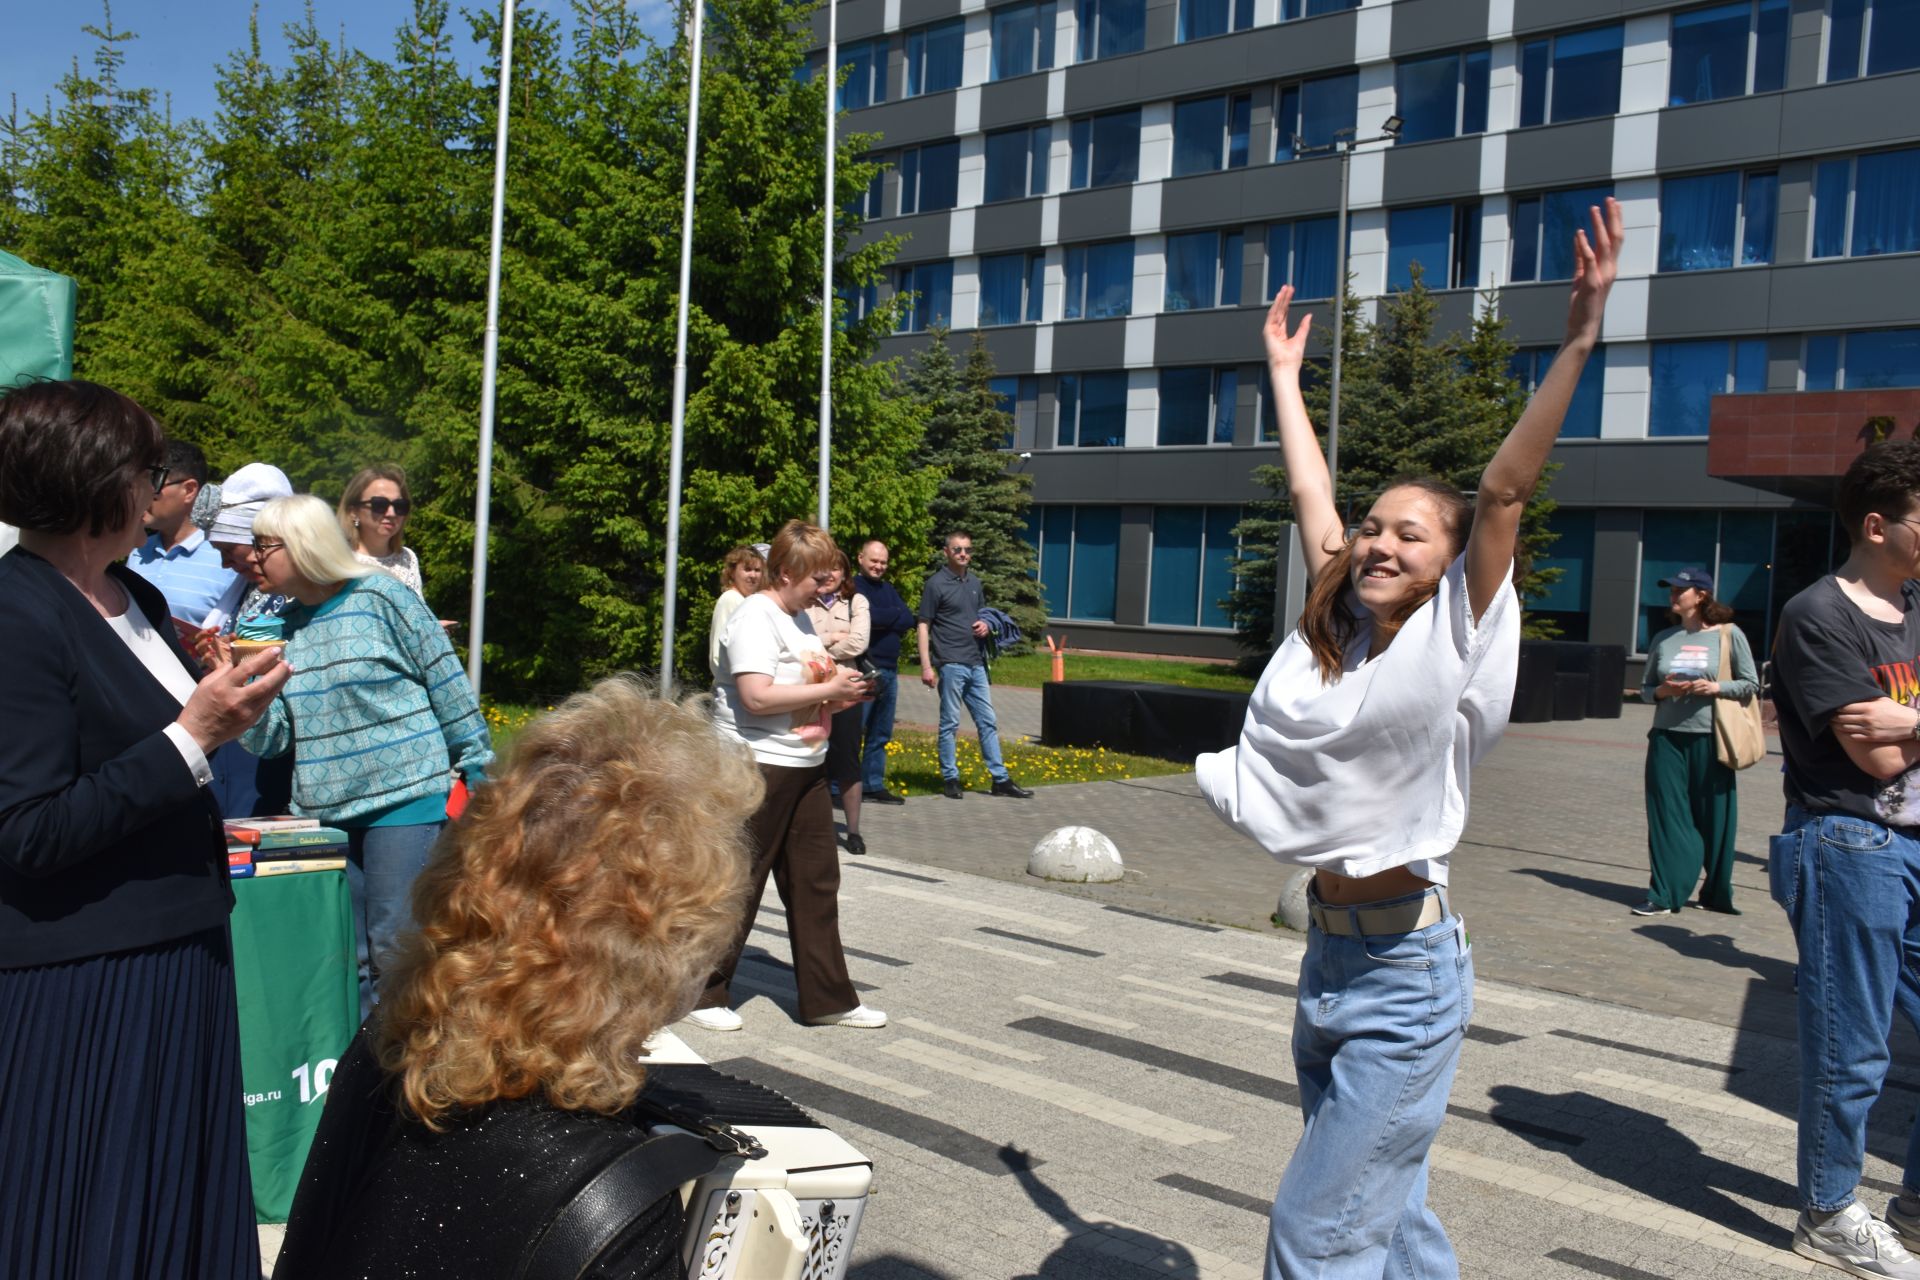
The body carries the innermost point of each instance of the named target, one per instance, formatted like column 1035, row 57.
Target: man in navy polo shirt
column 892, row 620
column 177, row 558
column 951, row 624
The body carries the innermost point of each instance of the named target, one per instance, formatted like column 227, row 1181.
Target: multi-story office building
column 1110, row 189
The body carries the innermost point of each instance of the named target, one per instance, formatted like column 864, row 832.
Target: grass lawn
column 1031, row 670
column 913, row 764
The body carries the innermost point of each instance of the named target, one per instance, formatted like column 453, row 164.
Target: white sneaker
column 1905, row 1226
column 1857, row 1243
column 715, row 1019
column 858, row 1016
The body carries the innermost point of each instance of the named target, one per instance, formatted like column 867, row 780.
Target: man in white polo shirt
column 177, row 558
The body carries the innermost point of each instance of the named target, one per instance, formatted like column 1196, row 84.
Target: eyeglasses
column 959, row 551
column 402, row 507
column 158, row 473
column 261, row 550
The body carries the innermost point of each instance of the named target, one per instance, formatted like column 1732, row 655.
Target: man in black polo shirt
column 950, row 620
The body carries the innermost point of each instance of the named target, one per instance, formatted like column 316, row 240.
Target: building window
column 1078, row 556
column 934, row 57
column 866, row 66
column 1197, row 405
column 1752, row 560
column 867, row 205
column 1304, row 254
column 1012, row 286
column 1530, row 364
column 1099, row 281
column 1203, row 270
column 1091, row 409
column 1571, row 77
column 1687, row 375
column 930, row 178
column 1543, row 227
column 1109, row 28
column 1866, row 360
column 1443, row 238
column 1443, row 97
column 1106, row 149
column 1190, row 574
column 857, row 302
column 1568, row 600
column 1314, row 373
column 931, row 284
column 1866, row 205
column 1292, row 9
column 1727, row 50
column 1306, row 116
column 1017, row 163
column 1022, row 39
column 1202, row 18
column 1211, row 134
column 1019, row 399
column 1718, row 220
column 1883, row 35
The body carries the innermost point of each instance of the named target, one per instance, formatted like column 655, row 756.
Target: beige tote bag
column 1739, row 740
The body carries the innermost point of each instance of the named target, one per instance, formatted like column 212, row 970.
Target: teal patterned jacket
column 378, row 709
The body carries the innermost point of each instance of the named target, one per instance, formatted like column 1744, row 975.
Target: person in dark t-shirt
column 953, row 660
column 1847, row 867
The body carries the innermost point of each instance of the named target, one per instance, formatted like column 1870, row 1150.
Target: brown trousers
column 792, row 836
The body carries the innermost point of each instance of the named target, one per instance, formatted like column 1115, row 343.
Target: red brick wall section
column 1802, row 433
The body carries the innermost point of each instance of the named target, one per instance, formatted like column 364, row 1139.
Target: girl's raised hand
column 1596, row 256
column 1285, row 350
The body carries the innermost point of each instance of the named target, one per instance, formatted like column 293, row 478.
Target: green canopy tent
column 36, row 322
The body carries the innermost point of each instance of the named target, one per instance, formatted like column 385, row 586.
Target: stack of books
column 283, row 846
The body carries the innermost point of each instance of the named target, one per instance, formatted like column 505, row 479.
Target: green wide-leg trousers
column 1692, row 810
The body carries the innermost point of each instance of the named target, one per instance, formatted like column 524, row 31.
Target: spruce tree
column 967, row 430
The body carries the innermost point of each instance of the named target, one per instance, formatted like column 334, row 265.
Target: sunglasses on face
column 158, row 473
column 402, row 507
column 261, row 550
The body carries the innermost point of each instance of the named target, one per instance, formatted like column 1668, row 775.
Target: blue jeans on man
column 382, row 864
column 962, row 683
column 876, row 722
column 1851, row 889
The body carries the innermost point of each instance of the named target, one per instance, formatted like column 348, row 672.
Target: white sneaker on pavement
column 715, row 1019
column 858, row 1016
column 1857, row 1243
column 1905, row 1225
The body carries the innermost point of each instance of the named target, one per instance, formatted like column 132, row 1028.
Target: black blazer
column 106, row 843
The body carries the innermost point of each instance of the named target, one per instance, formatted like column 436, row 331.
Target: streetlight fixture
column 1344, row 142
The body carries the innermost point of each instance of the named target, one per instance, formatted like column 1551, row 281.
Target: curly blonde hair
column 574, row 909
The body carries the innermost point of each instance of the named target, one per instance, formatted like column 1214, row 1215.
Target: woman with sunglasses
column 373, row 515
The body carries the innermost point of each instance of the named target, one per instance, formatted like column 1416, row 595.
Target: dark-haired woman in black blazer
column 122, row 1129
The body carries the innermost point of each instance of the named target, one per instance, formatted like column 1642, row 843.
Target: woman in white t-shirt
column 739, row 578
column 1354, row 762
column 771, row 681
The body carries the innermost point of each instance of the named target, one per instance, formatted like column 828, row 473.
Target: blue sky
column 182, row 42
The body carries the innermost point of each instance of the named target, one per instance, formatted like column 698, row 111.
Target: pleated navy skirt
column 123, row 1148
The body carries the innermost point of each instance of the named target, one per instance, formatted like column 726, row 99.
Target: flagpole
column 826, row 267
column 490, row 361
column 696, row 22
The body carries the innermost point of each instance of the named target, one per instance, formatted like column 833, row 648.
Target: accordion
column 786, row 1204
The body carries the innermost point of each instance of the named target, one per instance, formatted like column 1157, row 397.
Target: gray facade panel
column 1096, row 215
column 1162, row 23
column 1452, row 312
column 1021, row 100
column 859, row 20
column 1207, row 200
column 1429, row 171
column 1850, row 293
column 1550, row 15
column 1560, row 155
column 1225, row 335
column 918, row 13
column 1132, row 555
column 1000, row 227
column 1291, row 190
column 1871, row 112
column 927, row 236
column 1804, row 42
column 1647, row 473
column 1147, row 476
column 1423, row 26
column 1257, row 57
column 1010, row 345
column 1616, row 578
column 1535, row 313
column 1720, row 135
column 927, row 118
column 1089, row 344
column 1793, row 229
column 1691, row 304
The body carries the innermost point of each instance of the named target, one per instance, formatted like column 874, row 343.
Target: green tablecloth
column 295, row 965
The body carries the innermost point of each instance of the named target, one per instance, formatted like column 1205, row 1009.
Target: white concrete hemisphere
column 1077, row 854
column 1292, row 911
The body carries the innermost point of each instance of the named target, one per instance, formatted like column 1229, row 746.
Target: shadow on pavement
column 1646, row 1155
column 1082, row 1254
column 1721, row 949
column 890, row 1266
column 1625, row 895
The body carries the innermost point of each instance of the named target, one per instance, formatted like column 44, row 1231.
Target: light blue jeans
column 382, row 863
column 876, row 719
column 958, row 683
column 1376, row 1039
column 1851, row 889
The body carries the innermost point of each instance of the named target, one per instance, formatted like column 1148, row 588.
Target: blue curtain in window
column 932, row 283
column 1074, row 307
column 909, row 181
column 1103, row 409
column 1749, row 365
column 1762, row 210
column 1226, row 397
column 1110, row 279
column 1885, row 357
column 862, row 87
column 1116, row 149
column 1466, row 246
column 1586, row 73
column 1583, row 410
column 1002, row 281
column 939, row 176
column 1199, row 131
column 1286, row 125
column 934, row 57
column 1036, row 286
column 1239, row 131
column 1697, row 220
column 1006, row 394
column 1184, row 398
column 1231, row 251
column 1895, row 45
column 1846, row 23
column 1315, row 257
column 1096, row 563
column 1174, row 581
column 1418, row 235
column 1006, row 166
column 1561, row 214
column 1832, row 183
column 1066, row 410
column 1572, row 554
column 1056, row 557
column 1039, row 143
column 1535, row 59
column 1216, row 569
column 1708, row 56
column 1191, row 270
column 1202, row 18
column 1111, row 27
column 1476, row 71
column 1686, row 375
column 1022, row 40
column 1669, row 542
column 1821, row 372
column 1426, row 96
column 1526, row 238
column 1886, row 199
column 1080, row 146
column 1770, row 46
column 1326, row 106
